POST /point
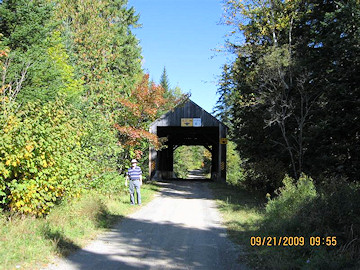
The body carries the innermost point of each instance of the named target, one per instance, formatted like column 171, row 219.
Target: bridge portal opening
column 192, row 162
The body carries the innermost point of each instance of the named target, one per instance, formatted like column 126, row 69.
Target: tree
column 164, row 81
column 328, row 47
column 289, row 77
column 102, row 46
column 222, row 109
column 106, row 56
column 28, row 32
column 134, row 116
column 173, row 95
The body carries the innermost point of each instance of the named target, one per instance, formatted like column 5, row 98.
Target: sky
column 182, row 36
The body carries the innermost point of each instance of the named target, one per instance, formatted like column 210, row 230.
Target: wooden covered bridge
column 188, row 124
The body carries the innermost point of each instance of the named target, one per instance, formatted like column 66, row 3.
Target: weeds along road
column 180, row 229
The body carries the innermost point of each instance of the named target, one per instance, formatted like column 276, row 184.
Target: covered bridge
column 188, row 124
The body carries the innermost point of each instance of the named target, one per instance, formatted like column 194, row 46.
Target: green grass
column 245, row 216
column 28, row 243
column 242, row 212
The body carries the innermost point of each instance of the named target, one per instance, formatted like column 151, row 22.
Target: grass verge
column 29, row 243
column 293, row 215
column 242, row 213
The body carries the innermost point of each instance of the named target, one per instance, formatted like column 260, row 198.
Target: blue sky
column 182, row 36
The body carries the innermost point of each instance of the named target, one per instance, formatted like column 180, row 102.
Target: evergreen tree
column 27, row 28
column 173, row 96
column 222, row 109
column 292, row 88
column 164, row 81
column 328, row 48
column 105, row 51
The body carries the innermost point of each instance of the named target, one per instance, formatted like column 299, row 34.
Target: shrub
column 100, row 142
column 110, row 183
column 301, row 210
column 41, row 159
column 291, row 198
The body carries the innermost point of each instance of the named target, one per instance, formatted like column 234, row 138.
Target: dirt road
column 180, row 229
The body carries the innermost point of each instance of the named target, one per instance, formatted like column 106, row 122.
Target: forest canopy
column 75, row 103
column 291, row 97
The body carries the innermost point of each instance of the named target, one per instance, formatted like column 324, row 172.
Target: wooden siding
column 188, row 110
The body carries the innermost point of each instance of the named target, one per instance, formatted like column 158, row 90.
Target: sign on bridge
column 191, row 122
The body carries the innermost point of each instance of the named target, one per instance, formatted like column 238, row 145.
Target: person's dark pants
column 135, row 185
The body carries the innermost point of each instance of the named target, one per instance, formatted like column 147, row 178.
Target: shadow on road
column 181, row 188
column 154, row 242
column 138, row 244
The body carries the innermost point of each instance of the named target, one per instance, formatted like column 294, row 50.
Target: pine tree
column 27, row 30
column 222, row 109
column 164, row 81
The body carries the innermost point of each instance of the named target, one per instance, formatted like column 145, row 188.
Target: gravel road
column 180, row 229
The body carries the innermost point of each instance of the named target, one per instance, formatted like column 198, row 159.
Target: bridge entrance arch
column 188, row 124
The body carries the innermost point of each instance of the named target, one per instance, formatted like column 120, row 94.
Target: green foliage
column 290, row 200
column 173, row 95
column 30, row 243
column 27, row 31
column 100, row 142
column 264, row 176
column 335, row 212
column 290, row 93
column 290, row 99
column 69, row 72
column 106, row 56
column 109, row 183
column 164, row 81
column 235, row 174
column 183, row 161
column 70, row 87
column 299, row 209
column 222, row 109
column 188, row 158
column 41, row 157
column 25, row 24
column 100, row 42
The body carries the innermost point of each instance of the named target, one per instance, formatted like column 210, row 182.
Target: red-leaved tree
column 145, row 103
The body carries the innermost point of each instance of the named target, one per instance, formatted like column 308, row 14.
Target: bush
column 335, row 213
column 100, row 142
column 41, row 159
column 110, row 183
column 291, row 198
column 301, row 210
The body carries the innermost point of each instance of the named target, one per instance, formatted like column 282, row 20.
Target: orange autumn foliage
column 140, row 108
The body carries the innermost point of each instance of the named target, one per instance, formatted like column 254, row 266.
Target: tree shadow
column 181, row 188
column 140, row 244
column 64, row 246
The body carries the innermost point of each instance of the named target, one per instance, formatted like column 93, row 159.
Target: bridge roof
column 189, row 109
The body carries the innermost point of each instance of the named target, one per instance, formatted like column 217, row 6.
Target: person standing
column 134, row 175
